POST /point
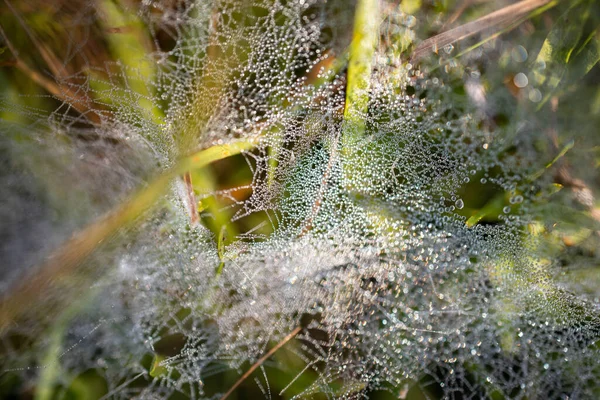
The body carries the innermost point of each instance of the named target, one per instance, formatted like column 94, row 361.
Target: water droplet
column 410, row 21
column 520, row 80
column 535, row 95
column 516, row 199
column 519, row 54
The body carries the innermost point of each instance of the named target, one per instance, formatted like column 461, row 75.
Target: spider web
column 371, row 248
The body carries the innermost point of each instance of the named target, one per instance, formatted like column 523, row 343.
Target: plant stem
column 261, row 360
column 191, row 199
column 362, row 50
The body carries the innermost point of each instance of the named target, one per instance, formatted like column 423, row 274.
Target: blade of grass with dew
column 500, row 32
column 360, row 65
column 364, row 42
column 70, row 255
column 129, row 43
column 274, row 152
column 495, row 20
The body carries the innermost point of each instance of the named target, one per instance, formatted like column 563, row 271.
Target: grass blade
column 362, row 50
column 496, row 20
column 71, row 254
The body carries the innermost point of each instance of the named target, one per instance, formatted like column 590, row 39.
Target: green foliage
column 475, row 85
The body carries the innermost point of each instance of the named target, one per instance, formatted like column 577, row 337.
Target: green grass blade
column 551, row 63
column 70, row 255
column 130, row 44
column 362, row 50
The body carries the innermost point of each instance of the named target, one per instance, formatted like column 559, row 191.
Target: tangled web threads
column 399, row 278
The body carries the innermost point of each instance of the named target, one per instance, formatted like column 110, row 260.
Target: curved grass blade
column 586, row 58
column 82, row 244
column 496, row 20
column 506, row 29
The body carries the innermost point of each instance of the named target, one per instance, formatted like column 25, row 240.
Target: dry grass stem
column 261, row 360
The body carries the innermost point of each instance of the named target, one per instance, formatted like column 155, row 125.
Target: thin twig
column 60, row 92
column 49, row 57
column 495, row 20
column 261, row 361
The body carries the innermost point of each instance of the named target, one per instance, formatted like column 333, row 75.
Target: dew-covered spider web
column 386, row 228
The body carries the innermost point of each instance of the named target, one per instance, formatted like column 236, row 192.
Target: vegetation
column 299, row 199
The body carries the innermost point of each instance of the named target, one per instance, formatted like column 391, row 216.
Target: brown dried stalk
column 191, row 199
column 261, row 360
column 66, row 94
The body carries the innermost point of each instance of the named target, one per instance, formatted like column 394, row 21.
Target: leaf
column 585, row 59
column 158, row 369
column 551, row 63
column 493, row 207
